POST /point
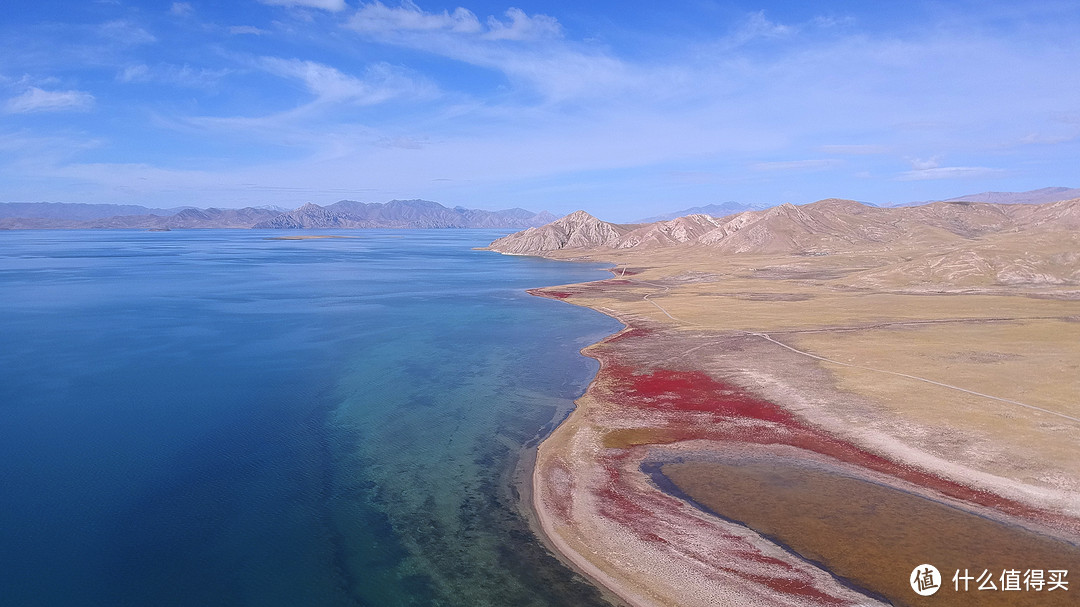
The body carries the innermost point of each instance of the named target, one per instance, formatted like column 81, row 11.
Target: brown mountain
column 578, row 230
column 824, row 227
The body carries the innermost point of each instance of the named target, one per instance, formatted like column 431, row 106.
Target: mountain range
column 401, row 214
column 937, row 247
column 1039, row 196
column 820, row 228
column 342, row 214
column 393, row 214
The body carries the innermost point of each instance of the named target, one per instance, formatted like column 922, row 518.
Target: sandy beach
column 952, row 409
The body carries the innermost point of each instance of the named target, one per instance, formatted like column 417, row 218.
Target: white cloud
column 125, row 33
column 758, row 26
column 381, row 82
column 919, row 164
column 28, row 146
column 179, row 75
column 38, row 100
column 376, row 17
column 134, row 73
column 329, row 5
column 523, row 27
column 246, row 29
column 829, row 21
column 181, row 9
column 536, row 57
column 949, row 173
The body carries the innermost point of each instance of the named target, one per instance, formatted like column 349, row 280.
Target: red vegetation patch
column 695, row 406
column 632, row 333
column 689, row 391
column 549, row 293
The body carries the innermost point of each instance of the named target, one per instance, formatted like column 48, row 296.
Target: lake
column 214, row 417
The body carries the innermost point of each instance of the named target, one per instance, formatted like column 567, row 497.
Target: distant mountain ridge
column 715, row 210
column 1040, row 196
column 401, row 214
column 342, row 214
column 74, row 211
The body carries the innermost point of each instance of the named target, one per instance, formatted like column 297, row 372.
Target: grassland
column 959, row 364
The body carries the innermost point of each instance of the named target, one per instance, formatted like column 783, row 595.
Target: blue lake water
column 215, row 418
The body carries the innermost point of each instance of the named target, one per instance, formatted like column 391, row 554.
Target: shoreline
column 569, row 518
column 522, row 486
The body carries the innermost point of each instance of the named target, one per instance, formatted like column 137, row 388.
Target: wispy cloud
column 39, row 100
column 181, row 9
column 378, row 18
column 125, row 33
column 528, row 49
column 925, row 164
column 381, row 82
column 329, row 5
column 177, row 75
column 757, row 26
column 522, row 27
column 246, row 29
column 950, row 173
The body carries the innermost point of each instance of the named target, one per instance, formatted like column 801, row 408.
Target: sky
column 625, row 109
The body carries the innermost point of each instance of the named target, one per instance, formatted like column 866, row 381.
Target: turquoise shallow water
column 214, row 418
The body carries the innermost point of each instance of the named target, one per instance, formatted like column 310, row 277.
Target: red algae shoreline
column 595, row 504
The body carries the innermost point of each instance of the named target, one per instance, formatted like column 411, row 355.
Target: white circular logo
column 925, row 580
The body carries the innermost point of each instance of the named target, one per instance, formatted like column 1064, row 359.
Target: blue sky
column 621, row 108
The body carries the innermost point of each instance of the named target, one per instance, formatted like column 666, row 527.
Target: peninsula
column 809, row 402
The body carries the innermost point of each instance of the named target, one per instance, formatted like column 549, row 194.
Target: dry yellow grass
column 1013, row 342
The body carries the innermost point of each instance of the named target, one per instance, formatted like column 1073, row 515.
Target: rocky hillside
column 578, row 230
column 821, row 228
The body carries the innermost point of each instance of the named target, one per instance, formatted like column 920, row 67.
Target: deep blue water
column 216, row 418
